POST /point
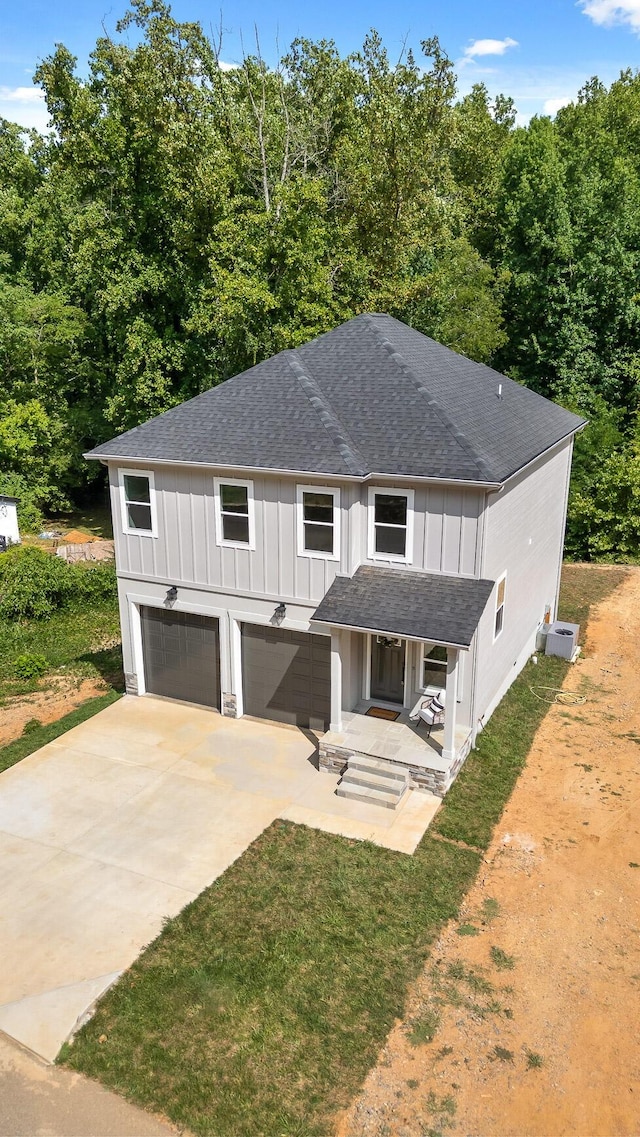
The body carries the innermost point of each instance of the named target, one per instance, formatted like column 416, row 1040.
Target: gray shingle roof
column 426, row 606
column 372, row 396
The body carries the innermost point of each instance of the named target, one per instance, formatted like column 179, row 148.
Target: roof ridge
column 345, row 446
column 439, row 410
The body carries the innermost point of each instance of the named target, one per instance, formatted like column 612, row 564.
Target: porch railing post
column 450, row 705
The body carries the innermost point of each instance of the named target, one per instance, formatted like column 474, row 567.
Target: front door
column 387, row 669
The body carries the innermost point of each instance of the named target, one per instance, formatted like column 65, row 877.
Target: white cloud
column 21, row 94
column 552, row 106
column 606, row 13
column 481, row 47
column 26, row 106
column 227, row 66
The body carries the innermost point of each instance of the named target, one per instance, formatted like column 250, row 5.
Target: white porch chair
column 431, row 711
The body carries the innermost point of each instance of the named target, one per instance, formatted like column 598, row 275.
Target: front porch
column 399, row 639
column 402, row 742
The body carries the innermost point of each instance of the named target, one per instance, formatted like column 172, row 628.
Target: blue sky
column 538, row 51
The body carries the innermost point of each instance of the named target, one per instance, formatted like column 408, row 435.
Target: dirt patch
column 531, row 999
column 62, row 694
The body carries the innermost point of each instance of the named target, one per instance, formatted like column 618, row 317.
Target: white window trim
column 126, row 528
column 315, row 554
column 251, row 543
column 373, row 555
column 496, row 635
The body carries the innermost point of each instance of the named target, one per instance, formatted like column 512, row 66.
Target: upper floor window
column 234, row 513
column 138, row 502
column 500, row 597
column 318, row 522
column 390, row 524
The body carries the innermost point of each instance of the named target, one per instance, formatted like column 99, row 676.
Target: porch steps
column 374, row 781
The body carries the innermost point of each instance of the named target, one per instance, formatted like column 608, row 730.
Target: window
column 318, row 522
column 500, row 594
column 434, row 666
column 390, row 524
column 138, row 502
column 234, row 513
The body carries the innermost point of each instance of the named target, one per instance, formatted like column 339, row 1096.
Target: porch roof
column 415, row 605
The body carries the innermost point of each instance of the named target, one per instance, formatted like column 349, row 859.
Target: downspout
column 482, row 549
column 564, row 529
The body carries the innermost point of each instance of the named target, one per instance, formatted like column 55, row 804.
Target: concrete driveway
column 125, row 819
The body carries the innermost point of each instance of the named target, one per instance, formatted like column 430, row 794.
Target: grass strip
column 474, row 804
column 41, row 735
column 477, row 798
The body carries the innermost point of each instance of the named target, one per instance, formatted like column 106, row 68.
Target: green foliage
column 33, row 583
column 30, row 666
column 93, row 582
column 186, row 221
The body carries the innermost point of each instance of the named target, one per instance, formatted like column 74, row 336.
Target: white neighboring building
column 9, row 532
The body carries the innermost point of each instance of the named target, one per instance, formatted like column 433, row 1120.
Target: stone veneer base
column 229, row 705
column 334, row 760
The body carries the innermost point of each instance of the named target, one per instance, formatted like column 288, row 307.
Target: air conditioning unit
column 562, row 639
column 389, row 641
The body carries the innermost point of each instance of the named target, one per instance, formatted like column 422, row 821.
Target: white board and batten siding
column 446, row 529
column 524, row 538
column 445, row 535
column 186, row 550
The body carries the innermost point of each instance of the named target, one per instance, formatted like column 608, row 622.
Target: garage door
column 181, row 655
column 287, row 676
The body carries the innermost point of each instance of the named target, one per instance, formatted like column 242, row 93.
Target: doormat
column 383, row 713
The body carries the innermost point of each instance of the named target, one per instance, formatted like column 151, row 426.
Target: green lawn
column 261, row 1007
column 83, row 642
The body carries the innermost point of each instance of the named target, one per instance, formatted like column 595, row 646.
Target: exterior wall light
column 279, row 614
column 172, row 595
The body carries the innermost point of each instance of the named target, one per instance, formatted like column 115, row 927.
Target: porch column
column 336, row 680
column 450, row 705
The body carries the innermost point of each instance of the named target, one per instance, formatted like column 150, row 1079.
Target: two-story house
column 339, row 531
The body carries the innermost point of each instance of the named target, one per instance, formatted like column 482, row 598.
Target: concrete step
column 368, row 795
column 373, row 781
column 379, row 766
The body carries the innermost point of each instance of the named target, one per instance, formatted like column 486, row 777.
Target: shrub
column 29, row 666
column 32, row 583
column 93, row 581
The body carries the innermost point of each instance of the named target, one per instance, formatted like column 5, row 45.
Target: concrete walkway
column 125, row 819
column 39, row 1100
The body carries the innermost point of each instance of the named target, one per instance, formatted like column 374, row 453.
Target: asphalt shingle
column 373, row 396
column 426, row 606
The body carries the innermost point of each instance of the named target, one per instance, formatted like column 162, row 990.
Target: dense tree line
column 184, row 220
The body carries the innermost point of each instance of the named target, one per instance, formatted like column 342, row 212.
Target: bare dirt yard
column 59, row 695
column 525, row 1021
